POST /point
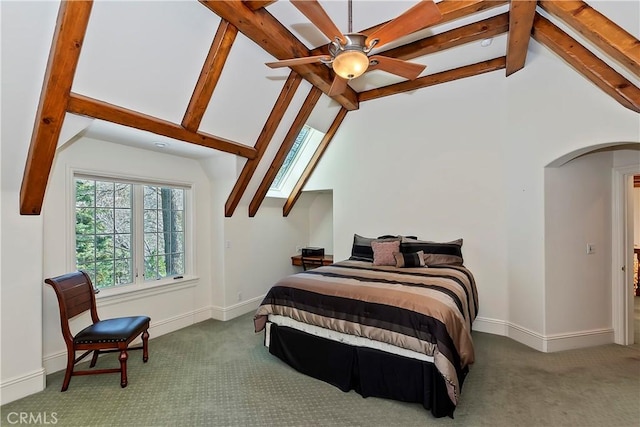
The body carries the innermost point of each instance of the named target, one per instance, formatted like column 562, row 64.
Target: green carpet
column 219, row 374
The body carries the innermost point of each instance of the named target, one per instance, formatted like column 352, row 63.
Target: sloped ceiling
column 185, row 74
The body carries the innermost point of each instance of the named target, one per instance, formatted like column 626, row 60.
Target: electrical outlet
column 591, row 248
column 298, row 249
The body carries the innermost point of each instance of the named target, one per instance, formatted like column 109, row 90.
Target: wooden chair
column 76, row 295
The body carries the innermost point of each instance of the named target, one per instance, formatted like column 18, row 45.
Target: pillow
column 361, row 249
column 383, row 252
column 435, row 253
column 414, row 259
column 391, row 236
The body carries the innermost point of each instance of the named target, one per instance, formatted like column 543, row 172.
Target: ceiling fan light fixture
column 350, row 64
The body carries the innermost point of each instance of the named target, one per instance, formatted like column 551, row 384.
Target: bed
column 392, row 321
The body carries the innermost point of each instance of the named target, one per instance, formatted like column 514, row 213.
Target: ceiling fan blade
column 416, row 18
column 338, row 86
column 318, row 17
column 298, row 61
column 399, row 67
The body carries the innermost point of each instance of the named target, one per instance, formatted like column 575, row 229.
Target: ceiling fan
column 348, row 53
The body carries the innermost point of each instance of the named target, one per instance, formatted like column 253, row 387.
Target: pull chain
column 350, row 10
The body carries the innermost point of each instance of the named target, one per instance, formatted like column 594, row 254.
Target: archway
column 587, row 244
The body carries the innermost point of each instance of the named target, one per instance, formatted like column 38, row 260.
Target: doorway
column 626, row 306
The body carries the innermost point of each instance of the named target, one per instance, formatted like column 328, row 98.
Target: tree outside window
column 105, row 231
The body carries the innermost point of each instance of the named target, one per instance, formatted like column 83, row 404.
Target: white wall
column 27, row 31
column 248, row 254
column 435, row 171
column 321, row 221
column 578, row 208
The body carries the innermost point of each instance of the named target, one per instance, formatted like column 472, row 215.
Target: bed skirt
column 368, row 371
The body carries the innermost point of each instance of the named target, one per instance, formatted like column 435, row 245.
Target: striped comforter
column 427, row 310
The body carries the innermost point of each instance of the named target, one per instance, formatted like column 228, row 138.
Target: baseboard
column 490, row 326
column 19, row 387
column 560, row 342
column 525, row 336
column 54, row 362
column 233, row 311
column 510, row 330
column 592, row 338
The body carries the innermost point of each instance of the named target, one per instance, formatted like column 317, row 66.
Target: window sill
column 136, row 291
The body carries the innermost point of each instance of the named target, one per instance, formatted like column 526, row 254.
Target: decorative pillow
column 414, row 259
column 391, row 236
column 383, row 252
column 435, row 253
column 361, row 249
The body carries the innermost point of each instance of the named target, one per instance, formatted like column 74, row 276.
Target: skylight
column 296, row 161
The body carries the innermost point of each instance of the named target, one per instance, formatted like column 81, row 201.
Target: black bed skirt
column 369, row 372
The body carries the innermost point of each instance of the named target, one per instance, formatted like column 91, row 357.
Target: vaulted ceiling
column 212, row 42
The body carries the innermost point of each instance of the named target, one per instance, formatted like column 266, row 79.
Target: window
column 295, row 162
column 128, row 232
column 291, row 157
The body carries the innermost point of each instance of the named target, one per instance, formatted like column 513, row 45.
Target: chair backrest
column 75, row 295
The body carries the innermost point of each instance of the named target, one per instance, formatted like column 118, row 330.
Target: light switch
column 591, row 248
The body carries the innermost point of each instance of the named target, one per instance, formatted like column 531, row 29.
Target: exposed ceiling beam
column 434, row 79
column 261, row 27
column 454, row 9
column 521, row 15
column 85, row 106
column 601, row 31
column 209, row 75
column 450, row 10
column 257, row 4
column 265, row 137
column 586, row 63
column 313, row 162
column 304, row 113
column 71, row 26
column 486, row 28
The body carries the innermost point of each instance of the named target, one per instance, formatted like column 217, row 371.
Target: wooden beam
column 85, row 106
column 313, row 162
column 285, row 147
column 71, row 26
column 586, row 63
column 486, row 28
column 521, row 15
column 265, row 137
column 434, row 79
column 209, row 76
column 454, row 9
column 258, row 4
column 264, row 30
column 601, row 31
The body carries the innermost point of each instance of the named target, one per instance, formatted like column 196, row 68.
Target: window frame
column 298, row 164
column 139, row 284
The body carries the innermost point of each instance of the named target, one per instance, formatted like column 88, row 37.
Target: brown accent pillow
column 383, row 252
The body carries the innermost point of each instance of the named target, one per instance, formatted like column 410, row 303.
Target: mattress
column 341, row 337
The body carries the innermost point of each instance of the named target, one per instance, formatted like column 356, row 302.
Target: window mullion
column 138, row 237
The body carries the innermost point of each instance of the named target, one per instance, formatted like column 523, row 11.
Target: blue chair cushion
column 112, row 330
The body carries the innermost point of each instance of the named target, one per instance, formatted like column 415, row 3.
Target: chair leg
column 145, row 346
column 123, row 368
column 71, row 355
column 94, row 358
